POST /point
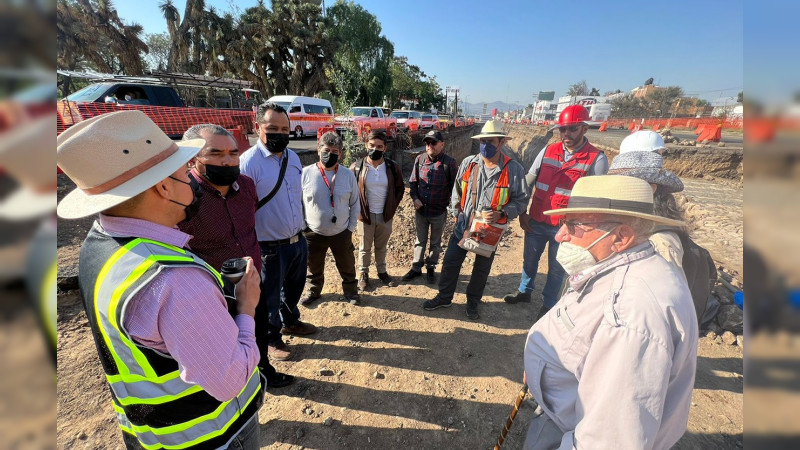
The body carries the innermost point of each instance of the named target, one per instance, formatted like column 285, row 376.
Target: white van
column 306, row 114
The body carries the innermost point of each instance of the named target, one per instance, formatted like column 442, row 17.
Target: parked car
column 128, row 94
column 407, row 120
column 445, row 121
column 307, row 114
column 429, row 122
column 363, row 119
column 460, row 121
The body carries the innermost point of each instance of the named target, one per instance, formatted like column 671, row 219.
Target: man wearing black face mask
column 224, row 226
column 330, row 197
column 380, row 186
column 277, row 170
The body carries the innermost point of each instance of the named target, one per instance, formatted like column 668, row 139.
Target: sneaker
column 386, row 279
column 363, row 281
column 299, row 328
column 411, row 275
column 279, row 351
column 279, row 380
column 517, row 297
column 431, row 275
column 354, row 299
column 472, row 313
column 436, row 303
column 309, row 299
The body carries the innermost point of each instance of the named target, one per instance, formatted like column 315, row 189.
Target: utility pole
column 455, row 113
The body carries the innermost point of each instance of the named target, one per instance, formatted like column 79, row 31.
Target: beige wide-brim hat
column 492, row 128
column 25, row 155
column 613, row 194
column 114, row 157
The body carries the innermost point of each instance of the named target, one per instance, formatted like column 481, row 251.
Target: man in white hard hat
column 491, row 185
column 612, row 365
column 182, row 371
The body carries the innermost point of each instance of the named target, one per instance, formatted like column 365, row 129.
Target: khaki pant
column 377, row 233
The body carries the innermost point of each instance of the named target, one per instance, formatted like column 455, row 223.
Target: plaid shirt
column 432, row 184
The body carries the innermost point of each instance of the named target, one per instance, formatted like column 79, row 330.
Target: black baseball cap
column 435, row 135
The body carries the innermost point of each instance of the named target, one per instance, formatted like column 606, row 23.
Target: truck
column 363, row 119
column 230, row 103
column 599, row 107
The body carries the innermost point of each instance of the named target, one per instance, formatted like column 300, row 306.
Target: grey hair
column 330, row 139
column 643, row 228
column 195, row 131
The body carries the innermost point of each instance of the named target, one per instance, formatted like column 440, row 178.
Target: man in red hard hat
column 553, row 173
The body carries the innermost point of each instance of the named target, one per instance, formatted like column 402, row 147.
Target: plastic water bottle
column 738, row 299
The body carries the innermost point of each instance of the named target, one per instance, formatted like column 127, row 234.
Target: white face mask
column 574, row 258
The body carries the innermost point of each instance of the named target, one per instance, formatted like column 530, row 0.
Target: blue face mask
column 488, row 150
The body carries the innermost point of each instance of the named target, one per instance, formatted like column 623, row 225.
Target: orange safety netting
column 173, row 121
column 683, row 122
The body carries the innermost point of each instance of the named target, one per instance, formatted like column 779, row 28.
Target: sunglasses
column 573, row 224
column 571, row 128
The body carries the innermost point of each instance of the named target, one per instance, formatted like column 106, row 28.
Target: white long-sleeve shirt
column 613, row 363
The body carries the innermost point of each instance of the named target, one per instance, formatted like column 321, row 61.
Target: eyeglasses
column 571, row 128
column 572, row 224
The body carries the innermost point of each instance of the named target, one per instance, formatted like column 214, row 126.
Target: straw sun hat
column 492, row 128
column 613, row 194
column 114, row 157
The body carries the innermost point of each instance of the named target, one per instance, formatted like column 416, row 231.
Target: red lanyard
column 331, row 184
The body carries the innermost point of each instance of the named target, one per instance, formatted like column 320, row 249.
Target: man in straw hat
column 182, row 371
column 492, row 185
column 612, row 365
column 553, row 173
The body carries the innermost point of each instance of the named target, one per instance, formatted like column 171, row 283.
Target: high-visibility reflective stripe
column 581, row 167
column 146, row 392
column 542, row 186
column 562, row 191
column 197, row 430
column 551, row 162
column 101, row 278
column 47, row 301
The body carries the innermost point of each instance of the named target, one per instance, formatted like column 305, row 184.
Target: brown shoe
column 299, row 328
column 279, row 351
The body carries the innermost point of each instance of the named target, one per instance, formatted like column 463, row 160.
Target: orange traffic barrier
column 632, row 126
column 700, row 129
column 656, row 127
column 242, row 143
column 603, row 126
column 711, row 134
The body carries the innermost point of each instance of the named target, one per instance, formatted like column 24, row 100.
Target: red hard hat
column 573, row 115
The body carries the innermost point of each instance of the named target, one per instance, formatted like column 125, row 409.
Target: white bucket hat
column 613, row 194
column 649, row 166
column 114, row 157
column 492, row 128
column 25, row 155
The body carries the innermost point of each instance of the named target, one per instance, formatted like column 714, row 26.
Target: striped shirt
column 183, row 314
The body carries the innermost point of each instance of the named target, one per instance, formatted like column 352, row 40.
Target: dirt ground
column 402, row 376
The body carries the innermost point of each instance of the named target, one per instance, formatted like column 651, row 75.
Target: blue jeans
column 535, row 241
column 283, row 275
column 248, row 438
column 451, row 267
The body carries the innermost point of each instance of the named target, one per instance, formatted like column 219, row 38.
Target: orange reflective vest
column 556, row 178
column 500, row 196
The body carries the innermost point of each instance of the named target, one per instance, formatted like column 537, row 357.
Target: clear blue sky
column 509, row 50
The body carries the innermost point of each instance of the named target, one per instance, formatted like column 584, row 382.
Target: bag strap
column 474, row 188
column 281, row 174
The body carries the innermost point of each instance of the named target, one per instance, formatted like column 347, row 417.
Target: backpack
column 701, row 275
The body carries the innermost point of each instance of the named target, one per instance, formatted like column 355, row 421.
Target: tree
column 364, row 56
column 628, row 105
column 159, row 45
column 90, row 35
column 740, row 97
column 594, row 92
column 649, row 81
column 577, row 89
column 410, row 82
column 702, row 102
column 663, row 99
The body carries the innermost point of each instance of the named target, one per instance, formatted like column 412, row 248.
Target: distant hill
column 477, row 108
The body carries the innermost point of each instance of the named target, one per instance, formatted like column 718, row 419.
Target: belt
column 292, row 240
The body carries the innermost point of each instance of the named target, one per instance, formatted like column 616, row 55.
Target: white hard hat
column 642, row 141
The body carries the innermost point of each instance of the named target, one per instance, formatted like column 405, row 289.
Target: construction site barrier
column 710, row 133
column 675, row 122
column 603, row 126
column 173, row 121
